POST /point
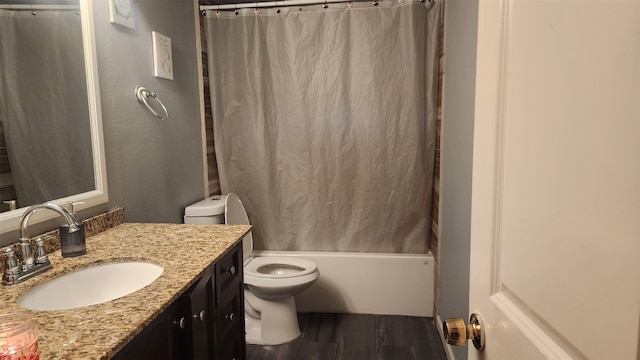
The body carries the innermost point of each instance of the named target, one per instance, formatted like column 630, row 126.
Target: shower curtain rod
column 38, row 7
column 269, row 4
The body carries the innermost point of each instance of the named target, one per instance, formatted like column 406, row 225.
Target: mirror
column 50, row 113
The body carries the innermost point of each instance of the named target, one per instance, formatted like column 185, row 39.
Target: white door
column 555, row 224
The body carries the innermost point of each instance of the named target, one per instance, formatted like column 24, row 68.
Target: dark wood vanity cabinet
column 162, row 339
column 228, row 325
column 206, row 322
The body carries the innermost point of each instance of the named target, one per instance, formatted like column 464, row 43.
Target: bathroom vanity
column 206, row 322
column 193, row 310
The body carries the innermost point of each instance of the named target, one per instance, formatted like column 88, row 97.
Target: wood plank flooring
column 357, row 337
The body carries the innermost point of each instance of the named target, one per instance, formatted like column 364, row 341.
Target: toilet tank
column 207, row 211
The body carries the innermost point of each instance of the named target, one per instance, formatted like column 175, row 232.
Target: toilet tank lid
column 210, row 206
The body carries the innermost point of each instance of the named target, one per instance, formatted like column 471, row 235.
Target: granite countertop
column 100, row 331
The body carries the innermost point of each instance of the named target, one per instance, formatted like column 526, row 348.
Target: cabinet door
column 229, row 328
column 229, row 300
column 199, row 309
column 228, row 271
column 162, row 339
column 206, row 322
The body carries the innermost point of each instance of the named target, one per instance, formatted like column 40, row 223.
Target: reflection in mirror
column 50, row 129
column 44, row 111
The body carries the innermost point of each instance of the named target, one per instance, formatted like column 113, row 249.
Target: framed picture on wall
column 121, row 12
column 162, row 57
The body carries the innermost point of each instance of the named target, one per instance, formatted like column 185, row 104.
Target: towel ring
column 143, row 94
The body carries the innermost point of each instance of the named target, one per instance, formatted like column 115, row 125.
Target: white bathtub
column 367, row 283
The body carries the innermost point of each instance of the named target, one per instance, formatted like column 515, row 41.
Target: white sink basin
column 91, row 285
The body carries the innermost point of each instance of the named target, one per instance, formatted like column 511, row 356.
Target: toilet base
column 277, row 323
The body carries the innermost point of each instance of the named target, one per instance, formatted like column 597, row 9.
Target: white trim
column 503, row 84
column 95, row 108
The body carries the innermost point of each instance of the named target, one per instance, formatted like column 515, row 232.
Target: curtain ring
column 142, row 94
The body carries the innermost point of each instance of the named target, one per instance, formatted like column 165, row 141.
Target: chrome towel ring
column 143, row 94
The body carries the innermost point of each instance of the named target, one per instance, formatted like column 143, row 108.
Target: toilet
column 270, row 282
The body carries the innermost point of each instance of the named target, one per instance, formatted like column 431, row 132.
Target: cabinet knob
column 199, row 316
column 179, row 323
column 230, row 270
column 230, row 317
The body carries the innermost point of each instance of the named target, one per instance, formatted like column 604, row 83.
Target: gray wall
column 154, row 167
column 461, row 19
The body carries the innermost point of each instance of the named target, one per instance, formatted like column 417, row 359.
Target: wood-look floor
column 357, row 337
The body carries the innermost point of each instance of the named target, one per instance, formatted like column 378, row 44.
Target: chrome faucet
column 31, row 264
column 51, row 206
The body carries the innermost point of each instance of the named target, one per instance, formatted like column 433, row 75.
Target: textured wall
column 457, row 159
column 154, row 167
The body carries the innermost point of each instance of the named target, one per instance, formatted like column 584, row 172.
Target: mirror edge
column 10, row 220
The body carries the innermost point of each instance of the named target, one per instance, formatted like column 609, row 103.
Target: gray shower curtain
column 324, row 122
column 44, row 107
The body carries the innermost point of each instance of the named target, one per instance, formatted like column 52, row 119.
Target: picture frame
column 121, row 12
column 162, row 56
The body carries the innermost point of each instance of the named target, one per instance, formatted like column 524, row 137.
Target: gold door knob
column 456, row 332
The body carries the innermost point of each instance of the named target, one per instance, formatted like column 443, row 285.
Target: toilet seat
column 235, row 214
column 279, row 287
column 279, row 267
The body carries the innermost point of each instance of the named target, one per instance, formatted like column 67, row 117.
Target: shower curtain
column 324, row 122
column 43, row 104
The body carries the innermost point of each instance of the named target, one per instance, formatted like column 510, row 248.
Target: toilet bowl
column 273, row 278
column 270, row 282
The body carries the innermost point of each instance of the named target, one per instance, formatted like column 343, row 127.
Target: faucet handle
column 11, row 265
column 41, row 253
